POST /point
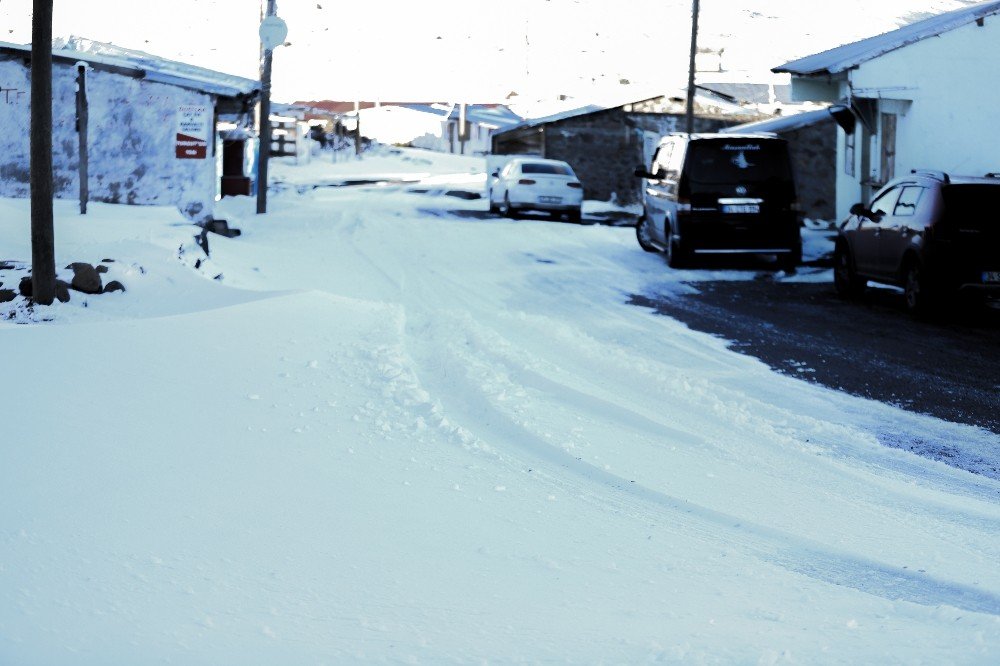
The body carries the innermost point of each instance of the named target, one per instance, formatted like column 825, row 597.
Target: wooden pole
column 265, row 123
column 691, row 67
column 82, row 122
column 43, row 263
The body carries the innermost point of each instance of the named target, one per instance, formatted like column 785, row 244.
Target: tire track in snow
column 465, row 401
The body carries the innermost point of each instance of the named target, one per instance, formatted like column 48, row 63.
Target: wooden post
column 265, row 122
column 43, row 262
column 691, row 67
column 82, row 123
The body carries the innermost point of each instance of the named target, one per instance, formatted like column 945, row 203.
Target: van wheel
column 676, row 256
column 642, row 235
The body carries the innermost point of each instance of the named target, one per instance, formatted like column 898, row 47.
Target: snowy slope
column 397, row 429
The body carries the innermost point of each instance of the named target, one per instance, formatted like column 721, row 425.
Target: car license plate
column 991, row 276
column 740, row 208
column 549, row 199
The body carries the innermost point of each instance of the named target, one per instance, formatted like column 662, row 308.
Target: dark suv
column 720, row 194
column 930, row 233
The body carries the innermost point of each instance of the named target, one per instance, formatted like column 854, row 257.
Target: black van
column 717, row 194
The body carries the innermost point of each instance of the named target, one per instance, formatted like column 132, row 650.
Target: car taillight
column 575, row 185
column 525, row 181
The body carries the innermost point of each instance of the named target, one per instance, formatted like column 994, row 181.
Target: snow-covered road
column 388, row 433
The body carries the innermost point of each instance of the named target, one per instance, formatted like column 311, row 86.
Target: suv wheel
column 642, row 235
column 918, row 297
column 845, row 280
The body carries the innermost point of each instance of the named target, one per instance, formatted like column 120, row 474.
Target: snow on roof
column 556, row 117
column 493, row 115
column 781, row 124
column 849, row 56
column 145, row 65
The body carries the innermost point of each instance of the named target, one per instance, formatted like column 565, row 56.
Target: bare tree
column 43, row 262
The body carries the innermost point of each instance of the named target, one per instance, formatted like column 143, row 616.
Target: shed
column 149, row 125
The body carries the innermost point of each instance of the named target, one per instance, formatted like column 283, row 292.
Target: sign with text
column 193, row 128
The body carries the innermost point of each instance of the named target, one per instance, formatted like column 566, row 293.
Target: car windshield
column 975, row 206
column 539, row 167
column 738, row 160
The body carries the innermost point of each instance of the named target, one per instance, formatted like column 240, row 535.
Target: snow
column 382, row 425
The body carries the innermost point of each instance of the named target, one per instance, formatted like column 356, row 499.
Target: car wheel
column 642, row 235
column 574, row 215
column 505, row 208
column 494, row 209
column 916, row 294
column 845, row 280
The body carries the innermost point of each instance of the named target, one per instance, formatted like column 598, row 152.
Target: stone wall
column 604, row 148
column 813, row 151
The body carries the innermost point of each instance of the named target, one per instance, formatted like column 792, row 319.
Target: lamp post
column 273, row 32
column 691, row 66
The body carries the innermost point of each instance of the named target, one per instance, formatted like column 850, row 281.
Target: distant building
column 917, row 97
column 604, row 144
column 150, row 125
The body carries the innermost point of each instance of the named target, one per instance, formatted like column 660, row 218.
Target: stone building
column 604, row 145
column 812, row 146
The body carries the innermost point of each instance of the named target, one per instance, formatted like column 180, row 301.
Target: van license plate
column 741, row 208
column 991, row 276
column 549, row 199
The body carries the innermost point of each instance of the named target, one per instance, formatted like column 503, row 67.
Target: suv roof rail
column 930, row 173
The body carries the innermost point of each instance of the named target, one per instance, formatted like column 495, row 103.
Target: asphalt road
column 948, row 367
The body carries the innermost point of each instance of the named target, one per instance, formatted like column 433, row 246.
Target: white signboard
column 193, row 132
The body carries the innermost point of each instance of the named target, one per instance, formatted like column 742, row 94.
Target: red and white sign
column 193, row 131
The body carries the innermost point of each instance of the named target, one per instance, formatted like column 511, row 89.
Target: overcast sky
column 453, row 49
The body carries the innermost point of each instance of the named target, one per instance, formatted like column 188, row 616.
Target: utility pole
column 691, row 66
column 43, row 259
column 272, row 34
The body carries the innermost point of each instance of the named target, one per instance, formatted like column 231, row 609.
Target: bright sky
column 451, row 49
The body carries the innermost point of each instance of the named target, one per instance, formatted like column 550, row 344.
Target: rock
column 7, row 295
column 62, row 291
column 102, row 269
column 220, row 227
column 86, row 279
column 25, row 287
column 114, row 285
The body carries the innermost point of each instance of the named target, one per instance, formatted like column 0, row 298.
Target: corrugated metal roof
column 146, row 66
column 783, row 124
column 555, row 117
column 849, row 56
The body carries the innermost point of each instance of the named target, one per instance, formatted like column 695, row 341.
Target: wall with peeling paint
column 132, row 134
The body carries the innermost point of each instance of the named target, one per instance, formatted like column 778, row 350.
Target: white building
column 923, row 96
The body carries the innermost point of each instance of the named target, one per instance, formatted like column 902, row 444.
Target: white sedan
column 536, row 184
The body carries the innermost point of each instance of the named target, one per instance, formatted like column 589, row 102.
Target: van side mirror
column 642, row 172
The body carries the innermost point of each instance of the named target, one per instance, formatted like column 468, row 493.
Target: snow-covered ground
column 381, row 425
